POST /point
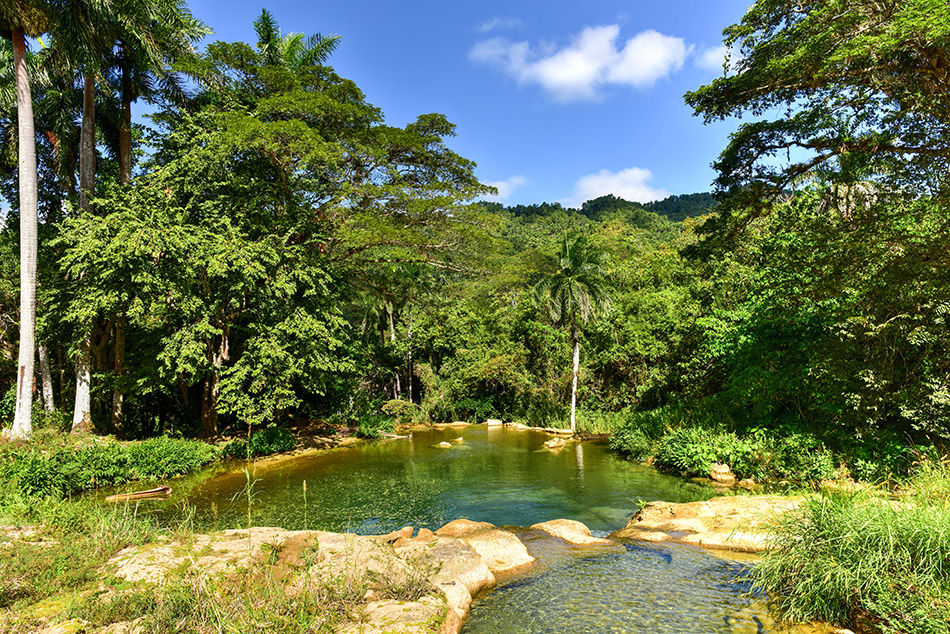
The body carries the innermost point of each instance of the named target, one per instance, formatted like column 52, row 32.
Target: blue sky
column 554, row 100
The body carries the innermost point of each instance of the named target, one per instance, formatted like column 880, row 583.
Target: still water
column 496, row 475
column 505, row 477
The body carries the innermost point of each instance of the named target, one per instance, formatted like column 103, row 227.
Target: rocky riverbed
column 410, row 581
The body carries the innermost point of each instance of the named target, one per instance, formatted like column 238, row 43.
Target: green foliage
column 59, row 468
column 263, row 442
column 848, row 553
column 843, row 79
column 404, row 412
column 8, row 404
column 374, row 425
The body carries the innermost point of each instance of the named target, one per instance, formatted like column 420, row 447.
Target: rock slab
column 738, row 523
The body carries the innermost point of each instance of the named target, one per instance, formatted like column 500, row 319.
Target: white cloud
column 713, row 58
column 629, row 184
column 591, row 62
column 506, row 187
column 498, row 24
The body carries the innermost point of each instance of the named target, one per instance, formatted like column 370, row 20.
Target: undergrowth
column 58, row 465
column 850, row 556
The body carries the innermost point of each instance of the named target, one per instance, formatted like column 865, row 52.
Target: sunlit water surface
column 496, row 475
column 505, row 477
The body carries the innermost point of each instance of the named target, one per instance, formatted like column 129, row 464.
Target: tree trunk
column 397, row 387
column 209, row 400
column 409, row 356
column 577, row 362
column 125, row 127
column 82, row 417
column 118, row 397
column 46, row 378
column 22, row 419
column 87, row 144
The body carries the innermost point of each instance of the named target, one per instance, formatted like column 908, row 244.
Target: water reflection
column 496, row 475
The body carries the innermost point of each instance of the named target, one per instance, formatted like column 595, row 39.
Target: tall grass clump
column 844, row 558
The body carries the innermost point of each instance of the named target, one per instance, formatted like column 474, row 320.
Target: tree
column 853, row 90
column 575, row 291
column 144, row 59
column 18, row 20
column 292, row 51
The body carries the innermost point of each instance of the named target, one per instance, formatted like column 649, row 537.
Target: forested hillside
column 268, row 250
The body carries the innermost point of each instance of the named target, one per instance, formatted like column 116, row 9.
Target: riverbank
column 81, row 537
column 279, row 581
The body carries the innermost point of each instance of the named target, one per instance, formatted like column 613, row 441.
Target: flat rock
column 402, row 617
column 493, row 422
column 500, row 550
column 573, row 532
column 457, row 528
column 738, row 523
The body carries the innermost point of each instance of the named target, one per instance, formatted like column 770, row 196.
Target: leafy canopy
column 845, row 90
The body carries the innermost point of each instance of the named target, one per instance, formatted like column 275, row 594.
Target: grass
column 52, row 561
column 867, row 557
column 60, row 557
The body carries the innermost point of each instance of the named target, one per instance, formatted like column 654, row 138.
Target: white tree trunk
column 577, row 362
column 46, row 379
column 22, row 418
column 82, row 410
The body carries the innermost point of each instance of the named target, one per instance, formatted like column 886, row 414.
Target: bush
column 263, row 442
column 804, row 457
column 57, row 467
column 633, row 442
column 842, row 555
column 374, row 425
column 688, row 450
column 403, row 411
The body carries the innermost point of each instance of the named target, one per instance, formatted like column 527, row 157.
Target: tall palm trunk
column 82, row 411
column 125, row 177
column 82, row 408
column 87, row 144
column 46, row 378
column 22, row 419
column 125, row 127
column 577, row 363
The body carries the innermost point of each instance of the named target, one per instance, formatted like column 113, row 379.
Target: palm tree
column 166, row 32
column 574, row 292
column 292, row 51
column 19, row 19
column 148, row 34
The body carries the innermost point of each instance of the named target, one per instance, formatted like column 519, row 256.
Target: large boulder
column 499, row 549
column 573, row 532
column 457, row 528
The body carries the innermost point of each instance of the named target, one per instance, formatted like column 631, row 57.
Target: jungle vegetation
column 267, row 250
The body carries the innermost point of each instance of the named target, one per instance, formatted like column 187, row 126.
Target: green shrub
column 804, row 457
column 8, row 405
column 688, row 450
column 57, row 467
column 475, row 410
column 263, row 442
column 374, row 425
column 403, row 411
column 165, row 457
column 633, row 442
column 845, row 554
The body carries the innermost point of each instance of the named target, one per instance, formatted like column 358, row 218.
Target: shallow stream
column 508, row 478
